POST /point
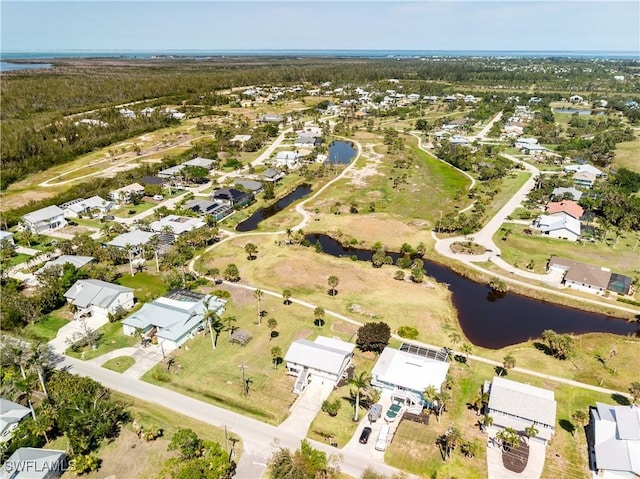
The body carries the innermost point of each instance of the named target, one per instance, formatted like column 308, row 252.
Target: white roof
column 409, row 370
column 5, row 234
column 33, row 463
column 617, row 437
column 133, row 238
column 11, row 413
column 178, row 224
column 328, row 357
column 75, row 260
column 559, row 221
column 94, row 292
column 241, row 138
column 132, row 188
column 583, row 169
column 80, row 205
column 287, row 155
column 202, row 162
column 527, row 402
column 43, row 214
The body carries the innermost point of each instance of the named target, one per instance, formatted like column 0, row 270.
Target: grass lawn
column 112, row 338
column 214, row 376
column 146, row 285
column 128, row 457
column 626, row 154
column 509, row 185
column 124, row 210
column 519, row 249
column 341, row 428
column 46, row 328
column 94, row 223
column 119, row 364
column 17, row 259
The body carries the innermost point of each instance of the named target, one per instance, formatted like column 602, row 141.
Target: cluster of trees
column 561, row 346
column 197, row 458
column 373, row 337
column 303, row 463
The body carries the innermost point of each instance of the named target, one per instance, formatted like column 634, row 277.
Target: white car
column 158, row 197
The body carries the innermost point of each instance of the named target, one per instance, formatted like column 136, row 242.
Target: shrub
column 408, row 332
column 331, row 407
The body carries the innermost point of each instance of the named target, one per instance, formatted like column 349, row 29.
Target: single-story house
column 10, row 416
column 565, row 206
column 34, row 463
column 532, row 148
column 136, row 238
column 289, row 159
column 271, row 118
column 582, row 276
column 171, row 172
column 207, row 207
column 173, row 318
column 517, row 405
column 200, row 162
column 561, row 192
column 6, row 236
column 232, row 197
column 585, row 168
column 240, row 138
column 407, row 372
column 77, row 261
column 307, row 141
column 582, row 178
column 454, row 124
column 559, row 225
column 620, row 283
column 123, row 195
column 44, row 219
column 614, row 441
column 459, row 140
column 325, row 358
column 272, row 175
column 81, row 206
column 176, row 224
column 254, row 187
column 98, row 298
column 576, row 99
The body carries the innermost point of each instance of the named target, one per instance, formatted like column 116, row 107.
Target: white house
column 98, row 299
column 6, row 236
column 407, row 372
column 200, row 162
column 307, row 140
column 240, row 138
column 34, row 463
column 173, row 318
column 581, row 276
column 518, row 405
column 80, row 206
column 289, row 159
column 584, row 169
column 176, row 224
column 10, row 416
column 615, row 441
column 77, row 261
column 123, row 195
column 324, row 358
column 135, row 238
column 576, row 99
column 558, row 225
column 42, row 220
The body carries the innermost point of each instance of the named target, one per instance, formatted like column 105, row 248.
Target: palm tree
column 276, row 354
column 154, row 242
column 466, row 349
column 455, row 338
column 580, row 418
column 229, row 320
column 443, row 399
column 360, row 382
column 39, row 360
column 128, row 248
column 509, row 362
column 530, row 431
column 214, row 272
column 509, row 437
column 487, row 421
column 333, row 282
column 214, row 322
column 430, row 394
column 258, row 294
column 480, row 402
column 286, row 296
column 319, row 314
column 272, row 324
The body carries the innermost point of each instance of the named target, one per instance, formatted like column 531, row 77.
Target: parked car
column 158, row 197
column 108, row 218
column 364, row 437
column 375, row 412
column 383, row 438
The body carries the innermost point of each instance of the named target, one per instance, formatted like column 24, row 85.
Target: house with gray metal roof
column 254, row 187
column 77, row 261
column 560, row 193
column 10, row 416
column 272, row 175
column 98, row 299
column 207, row 207
column 176, row 224
column 135, row 238
column 6, row 236
column 325, row 358
column 81, row 206
column 615, row 441
column 173, row 318
column 200, row 162
column 34, row 463
column 44, row 219
column 518, row 406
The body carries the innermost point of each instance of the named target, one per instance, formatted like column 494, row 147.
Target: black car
column 364, row 437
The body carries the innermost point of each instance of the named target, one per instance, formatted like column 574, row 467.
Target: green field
column 46, row 328
column 146, row 285
column 627, row 154
column 119, row 364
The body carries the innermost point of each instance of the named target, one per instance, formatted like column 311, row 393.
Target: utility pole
column 244, row 381
column 226, row 439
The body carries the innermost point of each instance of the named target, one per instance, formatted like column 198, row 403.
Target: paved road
column 485, row 131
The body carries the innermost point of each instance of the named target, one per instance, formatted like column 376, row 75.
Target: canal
column 252, row 221
column 494, row 322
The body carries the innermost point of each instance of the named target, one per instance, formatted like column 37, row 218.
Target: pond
column 494, row 322
column 252, row 221
column 341, row 152
column 572, row 111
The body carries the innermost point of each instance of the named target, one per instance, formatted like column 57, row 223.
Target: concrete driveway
column 496, row 469
column 307, row 407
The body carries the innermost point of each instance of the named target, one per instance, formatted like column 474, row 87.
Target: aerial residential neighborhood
column 319, row 263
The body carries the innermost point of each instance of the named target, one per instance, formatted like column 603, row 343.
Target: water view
column 8, row 67
column 341, row 152
column 252, row 221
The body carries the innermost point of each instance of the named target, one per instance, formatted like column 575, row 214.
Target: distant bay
column 9, row 67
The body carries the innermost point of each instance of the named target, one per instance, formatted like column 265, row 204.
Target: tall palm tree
column 39, row 360
column 333, row 282
column 230, row 327
column 214, row 323
column 128, row 248
column 430, row 395
column 455, row 338
column 360, row 382
column 258, row 294
column 319, row 314
column 155, row 244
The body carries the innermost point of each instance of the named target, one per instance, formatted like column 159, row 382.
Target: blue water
column 330, row 53
column 341, row 152
column 8, row 67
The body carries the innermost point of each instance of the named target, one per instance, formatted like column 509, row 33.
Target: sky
column 516, row 25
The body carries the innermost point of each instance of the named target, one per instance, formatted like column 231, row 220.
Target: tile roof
column 565, row 206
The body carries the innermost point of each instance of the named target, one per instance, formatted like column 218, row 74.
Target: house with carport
column 98, row 299
column 323, row 359
column 44, row 219
column 172, row 319
column 89, row 206
column 408, row 371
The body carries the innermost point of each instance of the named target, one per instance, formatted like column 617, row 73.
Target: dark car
column 364, row 437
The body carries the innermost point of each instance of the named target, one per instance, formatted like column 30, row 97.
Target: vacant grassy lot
column 126, row 211
column 111, row 338
column 46, row 328
column 214, row 376
column 414, row 449
column 370, row 291
column 508, row 187
column 145, row 284
column 119, row 364
column 519, row 249
column 626, row 154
